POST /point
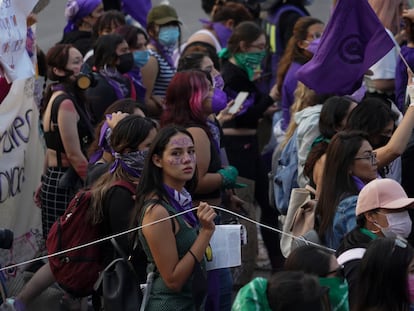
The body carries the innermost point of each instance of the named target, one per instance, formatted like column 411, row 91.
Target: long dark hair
column 337, row 182
column 382, row 282
column 245, row 31
column 105, row 50
column 128, row 134
column 293, row 53
column 151, row 181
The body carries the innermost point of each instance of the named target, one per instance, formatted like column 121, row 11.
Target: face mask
column 338, row 292
column 411, row 287
column 219, row 100
column 313, row 45
column 126, row 62
column 168, row 36
column 398, row 224
column 249, row 61
column 218, row 82
column 141, row 58
column 131, row 162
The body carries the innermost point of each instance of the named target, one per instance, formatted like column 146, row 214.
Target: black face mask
column 126, row 62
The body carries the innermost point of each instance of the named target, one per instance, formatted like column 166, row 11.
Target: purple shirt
column 401, row 77
column 288, row 88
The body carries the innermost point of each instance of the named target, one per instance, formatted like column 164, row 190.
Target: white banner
column 14, row 58
column 21, row 163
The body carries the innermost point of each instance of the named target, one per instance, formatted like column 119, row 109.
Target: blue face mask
column 168, row 36
column 141, row 58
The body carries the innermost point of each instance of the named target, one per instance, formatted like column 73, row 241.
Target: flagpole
column 404, row 61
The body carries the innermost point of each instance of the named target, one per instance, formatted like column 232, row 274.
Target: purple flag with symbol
column 352, row 42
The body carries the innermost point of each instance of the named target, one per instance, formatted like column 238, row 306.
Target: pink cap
column 382, row 193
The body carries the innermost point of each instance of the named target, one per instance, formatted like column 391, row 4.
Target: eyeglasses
column 372, row 156
column 338, row 272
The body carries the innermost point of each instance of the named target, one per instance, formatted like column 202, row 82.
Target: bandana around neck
column 182, row 201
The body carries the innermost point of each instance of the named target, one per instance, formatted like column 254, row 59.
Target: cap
column 382, row 193
column 162, row 14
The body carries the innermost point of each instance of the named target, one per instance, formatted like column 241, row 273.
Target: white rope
column 156, row 222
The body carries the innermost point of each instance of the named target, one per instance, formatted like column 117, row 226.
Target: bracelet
column 194, row 256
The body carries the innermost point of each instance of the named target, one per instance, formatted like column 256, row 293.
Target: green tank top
column 161, row 297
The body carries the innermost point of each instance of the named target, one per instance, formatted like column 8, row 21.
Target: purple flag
column 352, row 42
column 138, row 9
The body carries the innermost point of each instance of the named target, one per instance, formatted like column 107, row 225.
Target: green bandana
column 249, row 61
column 338, row 292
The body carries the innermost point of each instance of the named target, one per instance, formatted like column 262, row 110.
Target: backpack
column 76, row 271
column 286, row 175
column 300, row 222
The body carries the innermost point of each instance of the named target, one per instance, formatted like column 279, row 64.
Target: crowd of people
column 128, row 101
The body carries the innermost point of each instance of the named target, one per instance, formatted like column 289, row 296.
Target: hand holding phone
column 238, row 101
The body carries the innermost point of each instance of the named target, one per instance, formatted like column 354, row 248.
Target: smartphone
column 238, row 101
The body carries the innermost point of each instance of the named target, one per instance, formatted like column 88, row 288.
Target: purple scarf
column 116, row 80
column 182, row 201
column 104, row 143
column 223, row 33
column 165, row 52
column 358, row 182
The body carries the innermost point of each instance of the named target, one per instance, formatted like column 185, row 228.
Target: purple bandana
column 131, row 162
column 223, row 33
column 78, row 9
column 182, row 201
column 104, row 143
column 116, row 80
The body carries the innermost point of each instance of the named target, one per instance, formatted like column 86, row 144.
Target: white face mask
column 398, row 224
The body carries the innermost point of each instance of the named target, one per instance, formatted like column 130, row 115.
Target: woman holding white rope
column 174, row 247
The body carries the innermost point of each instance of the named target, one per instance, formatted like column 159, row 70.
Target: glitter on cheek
column 174, row 161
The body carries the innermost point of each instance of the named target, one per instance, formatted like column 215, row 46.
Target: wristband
column 194, row 256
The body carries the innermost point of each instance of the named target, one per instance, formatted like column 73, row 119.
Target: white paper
column 226, row 247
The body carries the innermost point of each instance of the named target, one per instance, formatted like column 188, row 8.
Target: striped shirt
column 165, row 74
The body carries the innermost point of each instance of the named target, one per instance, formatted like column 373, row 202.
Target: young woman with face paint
column 173, row 245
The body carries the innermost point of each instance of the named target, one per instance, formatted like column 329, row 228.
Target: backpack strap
column 53, row 123
column 125, row 184
column 351, row 254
